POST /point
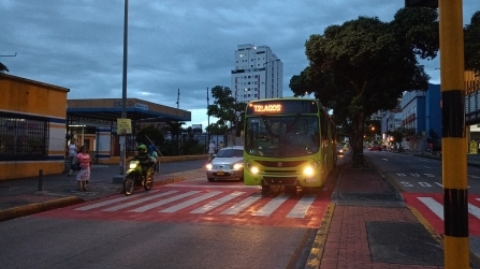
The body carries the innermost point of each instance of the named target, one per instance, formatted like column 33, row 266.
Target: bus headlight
column 254, row 170
column 209, row 166
column 308, row 171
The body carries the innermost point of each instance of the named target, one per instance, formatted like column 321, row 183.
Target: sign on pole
column 124, row 126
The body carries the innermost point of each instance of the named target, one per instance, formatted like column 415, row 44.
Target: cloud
column 78, row 44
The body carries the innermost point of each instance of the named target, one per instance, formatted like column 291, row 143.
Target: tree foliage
column 152, row 133
column 364, row 65
column 472, row 44
column 175, row 128
column 224, row 107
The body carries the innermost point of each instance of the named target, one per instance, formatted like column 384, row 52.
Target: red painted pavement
column 412, row 200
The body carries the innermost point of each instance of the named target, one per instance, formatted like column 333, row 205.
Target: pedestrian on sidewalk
column 72, row 155
column 83, row 175
column 211, row 150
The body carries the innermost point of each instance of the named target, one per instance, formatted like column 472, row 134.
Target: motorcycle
column 134, row 177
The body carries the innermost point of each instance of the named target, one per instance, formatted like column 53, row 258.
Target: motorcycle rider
column 146, row 161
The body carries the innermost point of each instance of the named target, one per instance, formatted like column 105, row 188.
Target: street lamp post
column 124, row 86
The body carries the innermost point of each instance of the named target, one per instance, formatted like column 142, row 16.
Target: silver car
column 228, row 163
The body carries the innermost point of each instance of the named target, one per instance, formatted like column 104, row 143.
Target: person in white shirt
column 212, row 148
column 72, row 154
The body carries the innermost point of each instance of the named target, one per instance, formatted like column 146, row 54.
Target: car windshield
column 230, row 153
column 282, row 136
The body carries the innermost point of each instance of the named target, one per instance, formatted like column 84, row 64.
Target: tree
column 472, row 44
column 364, row 65
column 152, row 133
column 398, row 135
column 175, row 129
column 217, row 129
column 225, row 108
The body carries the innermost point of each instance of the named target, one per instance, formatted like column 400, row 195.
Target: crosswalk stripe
column 217, row 203
column 215, row 186
column 190, row 202
column 109, row 202
column 235, row 209
column 435, row 206
column 271, row 206
column 300, row 209
column 164, row 201
column 138, row 201
column 474, row 210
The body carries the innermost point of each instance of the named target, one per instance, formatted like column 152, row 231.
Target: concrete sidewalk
column 368, row 225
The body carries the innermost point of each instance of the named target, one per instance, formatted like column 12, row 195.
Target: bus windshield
column 282, row 136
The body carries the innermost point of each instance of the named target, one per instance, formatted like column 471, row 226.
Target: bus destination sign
column 282, row 107
column 269, row 108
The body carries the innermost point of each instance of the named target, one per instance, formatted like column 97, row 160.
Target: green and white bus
column 288, row 142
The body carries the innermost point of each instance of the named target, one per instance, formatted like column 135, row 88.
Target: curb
column 314, row 259
column 21, row 211
column 474, row 259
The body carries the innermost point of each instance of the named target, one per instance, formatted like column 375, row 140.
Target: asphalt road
column 418, row 174
column 54, row 240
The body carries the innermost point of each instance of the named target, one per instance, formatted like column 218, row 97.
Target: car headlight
column 254, row 170
column 209, row 166
column 308, row 171
column 238, row 166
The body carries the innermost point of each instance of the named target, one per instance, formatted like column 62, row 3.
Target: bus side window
column 323, row 125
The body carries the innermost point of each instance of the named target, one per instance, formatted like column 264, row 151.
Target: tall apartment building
column 257, row 73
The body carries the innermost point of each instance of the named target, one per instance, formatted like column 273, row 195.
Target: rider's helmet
column 142, row 149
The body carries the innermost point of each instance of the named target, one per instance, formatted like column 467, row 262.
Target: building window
column 23, row 138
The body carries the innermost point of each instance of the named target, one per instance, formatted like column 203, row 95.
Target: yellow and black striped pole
column 454, row 146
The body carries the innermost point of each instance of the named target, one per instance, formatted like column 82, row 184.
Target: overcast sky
column 172, row 44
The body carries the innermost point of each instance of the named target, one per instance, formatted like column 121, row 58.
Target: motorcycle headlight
column 238, row 166
column 209, row 166
column 133, row 165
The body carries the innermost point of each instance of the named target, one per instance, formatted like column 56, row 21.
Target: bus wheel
column 265, row 189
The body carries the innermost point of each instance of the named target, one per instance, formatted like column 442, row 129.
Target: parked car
column 375, row 148
column 227, row 164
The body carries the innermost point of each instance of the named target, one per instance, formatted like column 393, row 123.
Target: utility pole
column 454, row 143
column 178, row 98
column 123, row 145
column 208, row 122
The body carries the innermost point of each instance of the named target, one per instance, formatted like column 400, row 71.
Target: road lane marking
column 216, row 203
column 190, row 202
column 233, row 210
column 109, row 202
column 271, row 206
column 474, row 210
column 138, row 201
column 186, row 185
column 165, row 201
column 300, row 209
column 433, row 205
